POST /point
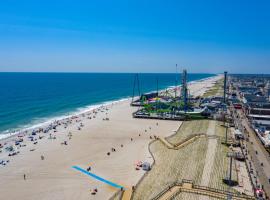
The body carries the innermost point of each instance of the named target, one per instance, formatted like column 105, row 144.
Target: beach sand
column 54, row 177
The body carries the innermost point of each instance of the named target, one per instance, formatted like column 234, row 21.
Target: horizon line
column 77, row 72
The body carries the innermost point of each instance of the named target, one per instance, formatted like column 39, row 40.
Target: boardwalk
column 262, row 156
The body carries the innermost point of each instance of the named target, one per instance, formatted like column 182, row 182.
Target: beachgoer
column 42, row 157
column 24, row 177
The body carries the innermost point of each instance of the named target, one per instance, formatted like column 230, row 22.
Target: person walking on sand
column 24, row 177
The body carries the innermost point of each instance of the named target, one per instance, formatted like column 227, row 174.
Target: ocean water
column 28, row 99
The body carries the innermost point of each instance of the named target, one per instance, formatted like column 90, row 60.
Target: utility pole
column 230, row 177
column 230, row 155
column 226, row 136
column 224, row 95
column 175, row 81
column 136, row 82
column 225, row 87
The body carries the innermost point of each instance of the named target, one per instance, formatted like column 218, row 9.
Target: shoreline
column 80, row 111
column 86, row 140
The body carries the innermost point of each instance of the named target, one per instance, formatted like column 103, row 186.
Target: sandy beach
column 108, row 140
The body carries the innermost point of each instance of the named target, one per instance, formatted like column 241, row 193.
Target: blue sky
column 135, row 36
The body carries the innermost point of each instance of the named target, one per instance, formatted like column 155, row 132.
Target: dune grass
column 216, row 90
column 221, row 164
column 188, row 129
column 186, row 163
column 191, row 196
column 172, row 165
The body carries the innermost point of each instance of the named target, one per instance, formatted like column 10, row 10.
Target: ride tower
column 225, row 87
column 184, row 90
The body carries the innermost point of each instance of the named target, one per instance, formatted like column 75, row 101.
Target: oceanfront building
column 254, row 93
